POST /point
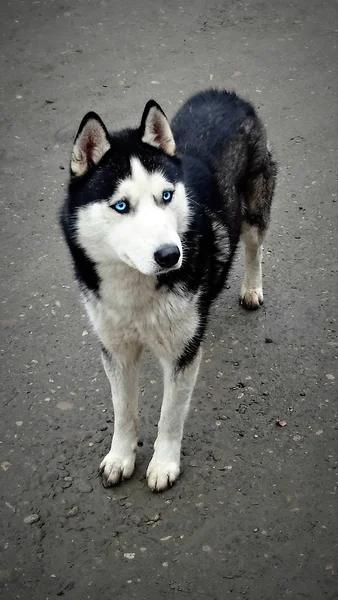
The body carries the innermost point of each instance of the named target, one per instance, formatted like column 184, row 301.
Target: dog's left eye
column 167, row 196
column 122, row 206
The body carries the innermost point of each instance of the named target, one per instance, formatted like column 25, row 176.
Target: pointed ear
column 91, row 143
column 155, row 129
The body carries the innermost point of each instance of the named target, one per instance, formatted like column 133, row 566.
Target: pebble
column 255, row 530
column 38, row 535
column 136, row 519
column 85, row 487
column 216, row 455
column 30, row 519
column 330, row 377
column 66, row 484
column 65, row 405
column 73, row 511
column 50, row 477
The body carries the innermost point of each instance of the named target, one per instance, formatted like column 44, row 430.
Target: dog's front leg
column 164, row 467
column 122, row 370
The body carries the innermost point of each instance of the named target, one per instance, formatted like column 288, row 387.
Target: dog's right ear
column 90, row 144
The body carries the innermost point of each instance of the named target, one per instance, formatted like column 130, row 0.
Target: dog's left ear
column 155, row 129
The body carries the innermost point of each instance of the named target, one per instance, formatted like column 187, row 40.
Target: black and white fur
column 150, row 274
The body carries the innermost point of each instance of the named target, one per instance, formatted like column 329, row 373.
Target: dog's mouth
column 160, row 271
column 157, row 271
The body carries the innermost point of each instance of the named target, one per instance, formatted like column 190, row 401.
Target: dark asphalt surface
column 254, row 514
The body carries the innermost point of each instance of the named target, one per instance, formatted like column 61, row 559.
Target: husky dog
column 152, row 218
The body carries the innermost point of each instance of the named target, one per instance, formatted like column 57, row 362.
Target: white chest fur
column 131, row 310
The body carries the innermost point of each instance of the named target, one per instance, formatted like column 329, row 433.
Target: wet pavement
column 254, row 513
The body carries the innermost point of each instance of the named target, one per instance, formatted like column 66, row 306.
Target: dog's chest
column 131, row 309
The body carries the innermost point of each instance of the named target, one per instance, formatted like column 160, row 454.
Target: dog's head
column 129, row 199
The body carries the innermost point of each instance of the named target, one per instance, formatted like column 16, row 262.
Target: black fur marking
column 84, row 267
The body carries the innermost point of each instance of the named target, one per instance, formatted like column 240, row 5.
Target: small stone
column 255, row 530
column 73, row 511
column 65, row 405
column 19, row 423
column 216, row 455
column 30, row 519
column 84, row 486
column 66, row 484
column 330, row 377
column 153, row 519
column 50, row 477
column 129, row 555
column 268, row 340
column 135, row 519
column 38, row 535
column 281, row 423
column 206, row 548
column 5, row 465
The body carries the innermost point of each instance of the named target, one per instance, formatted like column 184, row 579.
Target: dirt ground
column 254, row 514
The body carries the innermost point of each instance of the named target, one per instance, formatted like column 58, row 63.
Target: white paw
column 251, row 298
column 161, row 474
column 115, row 468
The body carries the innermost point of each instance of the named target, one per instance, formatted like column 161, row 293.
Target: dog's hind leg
column 258, row 197
column 164, row 467
column 122, row 371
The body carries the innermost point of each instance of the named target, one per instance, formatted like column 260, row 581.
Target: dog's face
column 131, row 204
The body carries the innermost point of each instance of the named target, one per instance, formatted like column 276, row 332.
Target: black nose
column 167, row 256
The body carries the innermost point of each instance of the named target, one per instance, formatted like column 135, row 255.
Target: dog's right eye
column 122, row 206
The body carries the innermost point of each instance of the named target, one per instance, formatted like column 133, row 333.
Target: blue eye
column 167, row 196
column 122, row 206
